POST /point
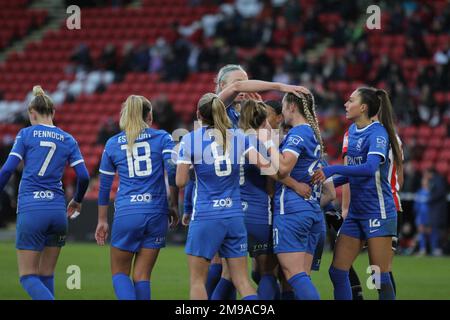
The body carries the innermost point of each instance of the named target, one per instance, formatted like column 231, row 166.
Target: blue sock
column 303, row 287
column 268, row 287
column 288, row 295
column 341, row 284
column 422, row 242
column 214, row 272
column 35, row 288
column 224, row 290
column 434, row 240
column 250, row 297
column 49, row 282
column 256, row 276
column 123, row 287
column 142, row 290
column 386, row 291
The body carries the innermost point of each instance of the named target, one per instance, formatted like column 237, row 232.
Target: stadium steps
column 56, row 15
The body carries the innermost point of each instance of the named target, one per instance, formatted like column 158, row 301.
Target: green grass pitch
column 416, row 277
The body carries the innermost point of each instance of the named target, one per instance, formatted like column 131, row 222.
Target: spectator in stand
column 282, row 35
column 81, row 57
column 261, row 65
column 442, row 55
column 248, row 8
column 108, row 58
column 109, row 129
column 208, row 57
column 163, row 115
column 142, row 58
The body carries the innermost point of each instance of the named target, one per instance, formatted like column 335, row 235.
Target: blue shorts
column 133, row 232
column 364, row 229
column 297, row 232
column 259, row 239
column 36, row 230
column 317, row 259
column 226, row 236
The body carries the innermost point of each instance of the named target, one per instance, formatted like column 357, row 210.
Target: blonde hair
column 214, row 114
column 132, row 117
column 253, row 114
column 41, row 102
column 223, row 72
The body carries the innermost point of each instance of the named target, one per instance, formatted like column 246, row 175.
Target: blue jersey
column 255, row 200
column 216, row 192
column 45, row 151
column 301, row 142
column 370, row 197
column 142, row 187
column 233, row 115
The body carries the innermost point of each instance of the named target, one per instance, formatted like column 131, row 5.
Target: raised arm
column 229, row 93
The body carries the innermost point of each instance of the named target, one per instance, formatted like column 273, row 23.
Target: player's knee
column 141, row 275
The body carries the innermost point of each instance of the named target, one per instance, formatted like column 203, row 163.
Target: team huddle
column 255, row 183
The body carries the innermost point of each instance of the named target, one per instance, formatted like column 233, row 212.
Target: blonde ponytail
column 38, row 91
column 214, row 114
column 41, row 102
column 253, row 114
column 132, row 117
column 221, row 120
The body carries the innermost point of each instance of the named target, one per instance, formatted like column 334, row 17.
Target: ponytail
column 214, row 114
column 41, row 102
column 253, row 114
column 306, row 107
column 386, row 116
column 132, row 117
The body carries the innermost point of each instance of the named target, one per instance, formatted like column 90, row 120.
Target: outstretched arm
column 366, row 169
column 229, row 93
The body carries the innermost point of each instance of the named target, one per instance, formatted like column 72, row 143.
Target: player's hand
column 303, row 190
column 73, row 209
column 173, row 217
column 295, row 90
column 253, row 96
column 318, row 177
column 186, row 219
column 101, row 233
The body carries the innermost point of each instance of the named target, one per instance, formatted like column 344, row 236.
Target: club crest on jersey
column 359, row 144
column 223, row 203
column 381, row 142
column 244, row 206
column 294, row 139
